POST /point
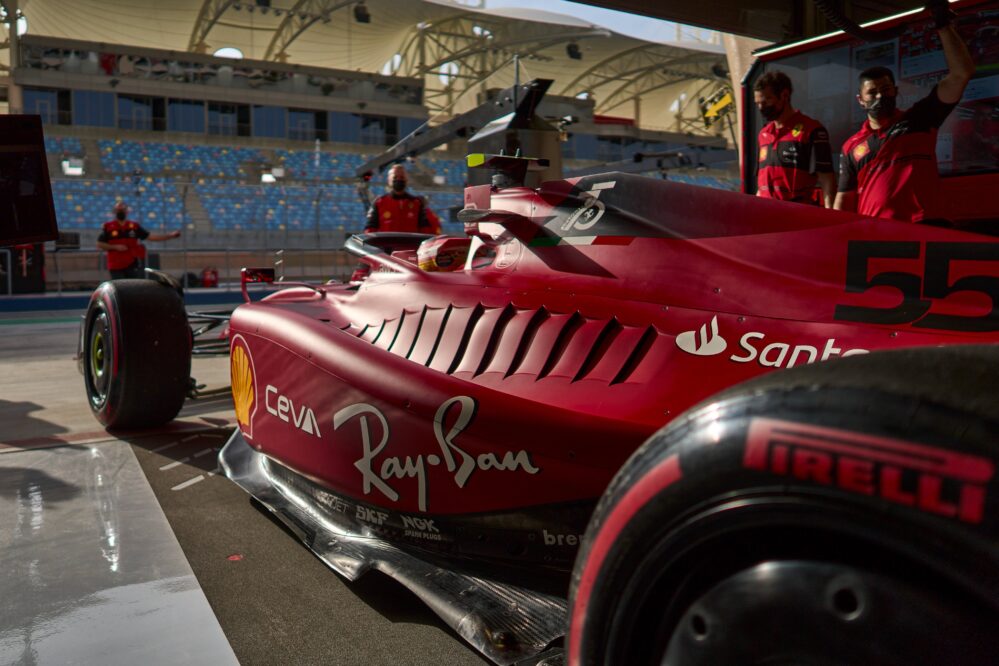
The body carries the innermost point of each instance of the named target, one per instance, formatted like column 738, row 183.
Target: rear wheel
column 136, row 354
column 836, row 515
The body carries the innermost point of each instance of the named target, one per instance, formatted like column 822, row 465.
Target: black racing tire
column 722, row 539
column 136, row 354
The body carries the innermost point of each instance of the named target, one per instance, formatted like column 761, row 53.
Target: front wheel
column 841, row 514
column 136, row 348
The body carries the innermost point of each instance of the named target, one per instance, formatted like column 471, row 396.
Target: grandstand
column 262, row 152
column 214, row 192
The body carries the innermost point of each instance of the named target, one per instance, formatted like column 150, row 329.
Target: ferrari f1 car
column 547, row 437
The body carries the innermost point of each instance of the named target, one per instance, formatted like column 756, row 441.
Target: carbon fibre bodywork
column 507, row 622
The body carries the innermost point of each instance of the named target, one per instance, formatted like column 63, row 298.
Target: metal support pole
column 15, row 97
column 319, row 238
column 10, row 270
column 55, row 258
column 516, row 77
column 183, row 275
column 183, row 235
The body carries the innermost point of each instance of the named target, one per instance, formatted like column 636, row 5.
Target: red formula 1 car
column 495, row 437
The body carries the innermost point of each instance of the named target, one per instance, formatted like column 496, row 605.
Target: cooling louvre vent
column 478, row 340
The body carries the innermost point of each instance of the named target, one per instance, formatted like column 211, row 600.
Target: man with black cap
column 889, row 168
column 398, row 210
column 121, row 239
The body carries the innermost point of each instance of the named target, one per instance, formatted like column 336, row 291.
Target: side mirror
column 248, row 275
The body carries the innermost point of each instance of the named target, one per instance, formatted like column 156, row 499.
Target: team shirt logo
column 763, row 153
column 860, row 151
column 796, row 132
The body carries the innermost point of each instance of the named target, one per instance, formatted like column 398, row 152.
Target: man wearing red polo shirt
column 399, row 210
column 122, row 239
column 794, row 149
column 889, row 168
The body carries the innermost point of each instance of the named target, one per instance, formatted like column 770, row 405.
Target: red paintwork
column 569, row 352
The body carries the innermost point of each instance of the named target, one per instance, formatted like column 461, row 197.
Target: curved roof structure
column 457, row 50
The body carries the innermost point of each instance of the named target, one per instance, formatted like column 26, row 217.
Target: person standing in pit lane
column 398, row 210
column 794, row 149
column 121, row 239
column 889, row 168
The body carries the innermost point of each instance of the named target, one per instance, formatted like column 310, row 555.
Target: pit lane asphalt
column 275, row 601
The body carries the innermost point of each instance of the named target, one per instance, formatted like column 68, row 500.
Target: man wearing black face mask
column 121, row 239
column 889, row 168
column 794, row 149
column 399, row 210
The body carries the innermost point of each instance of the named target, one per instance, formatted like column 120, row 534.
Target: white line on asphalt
column 174, row 464
column 189, row 482
column 165, row 447
column 185, row 459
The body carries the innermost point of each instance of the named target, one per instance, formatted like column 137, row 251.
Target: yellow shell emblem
column 860, row 151
column 763, row 153
column 242, row 384
column 796, row 132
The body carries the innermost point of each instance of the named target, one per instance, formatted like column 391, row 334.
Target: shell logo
column 243, row 380
column 860, row 151
column 763, row 153
column 796, row 132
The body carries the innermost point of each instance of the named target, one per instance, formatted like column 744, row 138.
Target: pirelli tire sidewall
column 831, row 474
column 143, row 374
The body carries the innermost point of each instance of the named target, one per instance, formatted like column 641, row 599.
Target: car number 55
column 919, row 291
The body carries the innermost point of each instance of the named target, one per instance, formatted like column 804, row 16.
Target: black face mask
column 120, row 215
column 881, row 107
column 398, row 186
column 771, row 112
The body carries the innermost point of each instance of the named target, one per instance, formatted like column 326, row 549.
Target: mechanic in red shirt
column 121, row 238
column 889, row 168
column 399, row 210
column 794, row 149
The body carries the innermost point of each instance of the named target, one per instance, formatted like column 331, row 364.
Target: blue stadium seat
column 86, row 204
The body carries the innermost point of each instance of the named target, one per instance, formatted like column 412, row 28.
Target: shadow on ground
column 275, row 600
column 20, row 413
